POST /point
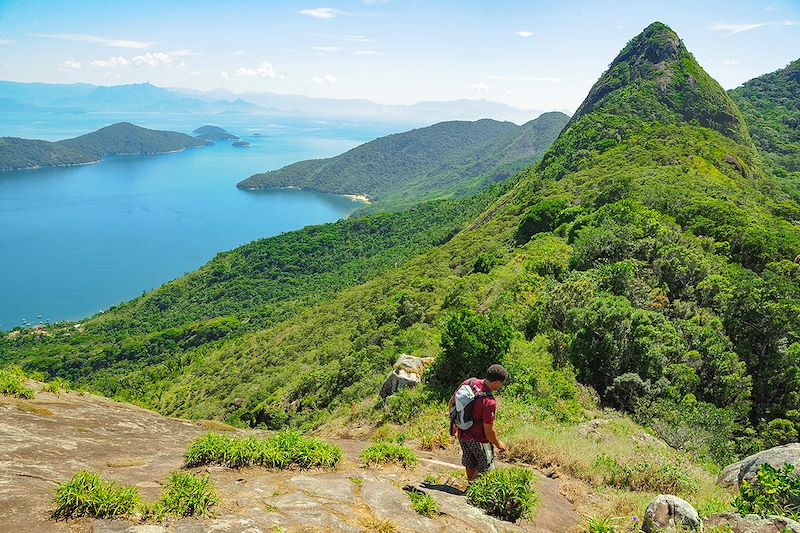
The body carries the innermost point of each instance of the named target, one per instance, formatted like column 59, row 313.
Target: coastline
column 362, row 198
column 96, row 160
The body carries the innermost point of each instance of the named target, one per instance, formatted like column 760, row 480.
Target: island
column 122, row 138
column 214, row 133
column 241, row 144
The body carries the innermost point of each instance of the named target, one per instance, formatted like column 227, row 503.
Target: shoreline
column 361, row 198
column 65, row 165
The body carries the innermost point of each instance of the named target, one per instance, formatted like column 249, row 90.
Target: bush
column 12, row 382
column 382, row 453
column 423, row 503
column 87, row 495
column 470, row 344
column 772, row 492
column 57, row 386
column 485, row 263
column 778, row 432
column 506, row 494
column 284, row 450
column 646, row 474
column 540, row 217
column 186, row 495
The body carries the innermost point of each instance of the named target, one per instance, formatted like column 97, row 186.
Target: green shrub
column 485, row 263
column 381, row 453
column 778, row 432
column 506, row 494
column 772, row 492
column 284, row 450
column 12, row 382
column 470, row 344
column 423, row 503
column 57, row 386
column 186, row 495
column 540, row 217
column 87, row 495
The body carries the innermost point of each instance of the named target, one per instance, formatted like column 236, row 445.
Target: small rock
column 407, row 372
column 668, row 512
column 731, row 160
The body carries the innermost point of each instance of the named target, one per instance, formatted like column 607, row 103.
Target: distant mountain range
column 148, row 98
column 447, row 159
column 117, row 139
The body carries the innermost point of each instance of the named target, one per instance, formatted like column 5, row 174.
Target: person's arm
column 488, row 430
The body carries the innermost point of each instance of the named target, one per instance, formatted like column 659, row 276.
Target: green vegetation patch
column 184, row 495
column 382, row 453
column 284, row 450
column 12, row 382
column 87, row 495
column 423, row 503
column 772, row 492
column 507, row 494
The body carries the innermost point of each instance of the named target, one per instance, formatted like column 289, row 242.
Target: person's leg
column 471, row 473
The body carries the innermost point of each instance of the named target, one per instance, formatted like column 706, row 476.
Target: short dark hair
column 496, row 373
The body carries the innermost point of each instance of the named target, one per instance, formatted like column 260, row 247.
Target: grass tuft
column 423, row 503
column 284, row 450
column 186, row 495
column 87, row 495
column 382, row 453
column 506, row 494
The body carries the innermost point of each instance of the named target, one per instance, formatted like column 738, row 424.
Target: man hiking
column 472, row 411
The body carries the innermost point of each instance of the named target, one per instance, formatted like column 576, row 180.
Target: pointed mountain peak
column 655, row 78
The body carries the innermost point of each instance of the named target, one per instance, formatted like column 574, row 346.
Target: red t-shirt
column 483, row 412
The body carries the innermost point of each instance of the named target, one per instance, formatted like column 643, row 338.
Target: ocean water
column 77, row 240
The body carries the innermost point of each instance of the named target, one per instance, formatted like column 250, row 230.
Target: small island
column 214, row 133
column 241, row 144
column 122, row 138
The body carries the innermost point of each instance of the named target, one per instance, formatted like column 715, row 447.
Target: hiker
column 472, row 411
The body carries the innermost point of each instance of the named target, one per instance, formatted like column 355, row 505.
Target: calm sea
column 78, row 240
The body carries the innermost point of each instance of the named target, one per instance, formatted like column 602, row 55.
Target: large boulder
column 733, row 475
column 750, row 524
column 406, row 372
column 667, row 512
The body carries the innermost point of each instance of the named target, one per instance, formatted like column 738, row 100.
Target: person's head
column 496, row 375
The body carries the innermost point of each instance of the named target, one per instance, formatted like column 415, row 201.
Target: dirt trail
column 46, row 440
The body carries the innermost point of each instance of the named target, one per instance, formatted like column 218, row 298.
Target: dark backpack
column 461, row 412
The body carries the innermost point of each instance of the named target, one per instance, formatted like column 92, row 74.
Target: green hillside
column 645, row 264
column 116, row 139
column 771, row 106
column 28, row 153
column 444, row 160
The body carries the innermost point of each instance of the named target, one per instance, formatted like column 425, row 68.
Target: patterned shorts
column 477, row 455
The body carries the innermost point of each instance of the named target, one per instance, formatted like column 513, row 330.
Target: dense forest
column 648, row 258
column 448, row 159
column 120, row 138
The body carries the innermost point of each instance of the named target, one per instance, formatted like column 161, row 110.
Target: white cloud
column 325, row 79
column 114, row 43
column 358, row 39
column 366, row 53
column 152, row 60
column 374, row 2
column 264, row 70
column 327, row 49
column 526, row 78
column 791, row 22
column 320, row 12
column 479, row 87
column 110, row 62
column 69, row 64
column 6, row 41
column 736, row 28
column 525, row 34
column 183, row 52
column 225, row 76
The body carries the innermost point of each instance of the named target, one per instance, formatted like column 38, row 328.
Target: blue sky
column 529, row 54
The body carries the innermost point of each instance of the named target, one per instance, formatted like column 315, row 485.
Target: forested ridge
column 448, row 159
column 120, row 138
column 650, row 256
